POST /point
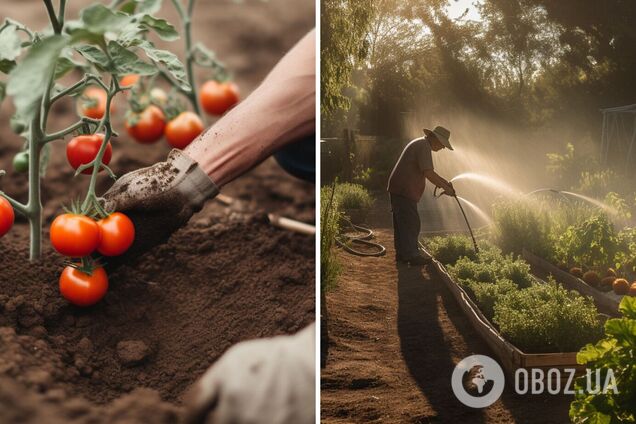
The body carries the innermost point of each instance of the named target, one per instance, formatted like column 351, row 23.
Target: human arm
column 278, row 112
column 436, row 179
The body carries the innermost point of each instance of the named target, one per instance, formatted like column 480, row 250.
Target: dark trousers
column 406, row 227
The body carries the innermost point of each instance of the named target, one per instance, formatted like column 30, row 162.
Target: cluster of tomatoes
column 79, row 236
column 151, row 122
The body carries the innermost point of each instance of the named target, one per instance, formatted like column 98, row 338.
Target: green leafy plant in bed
column 547, row 318
column 593, row 242
column 449, row 249
column 615, row 352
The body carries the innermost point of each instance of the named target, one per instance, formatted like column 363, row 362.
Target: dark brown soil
column 226, row 277
column 396, row 334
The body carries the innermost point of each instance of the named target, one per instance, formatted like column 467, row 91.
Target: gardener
column 263, row 381
column 406, row 186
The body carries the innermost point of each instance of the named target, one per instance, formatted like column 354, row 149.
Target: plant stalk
column 34, row 205
column 186, row 19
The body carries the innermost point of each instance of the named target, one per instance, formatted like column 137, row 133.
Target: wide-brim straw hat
column 442, row 134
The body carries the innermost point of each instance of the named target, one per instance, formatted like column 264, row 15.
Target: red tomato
column 149, row 125
column 82, row 289
column 7, row 216
column 117, row 233
column 83, row 149
column 217, row 97
column 183, row 129
column 93, row 103
column 74, row 235
column 129, row 80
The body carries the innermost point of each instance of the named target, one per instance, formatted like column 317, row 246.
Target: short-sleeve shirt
column 407, row 178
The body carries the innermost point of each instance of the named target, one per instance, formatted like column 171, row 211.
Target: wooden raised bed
column 511, row 357
column 605, row 302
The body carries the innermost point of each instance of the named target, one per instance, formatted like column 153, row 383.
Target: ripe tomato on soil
column 147, row 126
column 117, row 233
column 620, row 286
column 83, row 149
column 183, row 129
column 74, row 235
column 7, row 216
column 82, row 289
column 218, row 97
column 93, row 103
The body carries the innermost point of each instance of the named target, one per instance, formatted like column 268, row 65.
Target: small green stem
column 16, row 205
column 54, row 22
column 186, row 19
column 60, row 134
column 34, row 204
column 60, row 15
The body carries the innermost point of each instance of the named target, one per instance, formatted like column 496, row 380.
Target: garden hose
column 461, row 208
column 362, row 239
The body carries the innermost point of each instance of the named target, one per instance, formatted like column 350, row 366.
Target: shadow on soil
column 424, row 348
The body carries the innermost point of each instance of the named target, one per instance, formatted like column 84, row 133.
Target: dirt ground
column 396, row 334
column 226, row 277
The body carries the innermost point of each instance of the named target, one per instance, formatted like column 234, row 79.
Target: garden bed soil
column 227, row 276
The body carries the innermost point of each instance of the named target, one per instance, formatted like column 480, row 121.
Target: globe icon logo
column 478, row 381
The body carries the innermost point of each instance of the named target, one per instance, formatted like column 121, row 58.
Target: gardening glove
column 260, row 381
column 159, row 200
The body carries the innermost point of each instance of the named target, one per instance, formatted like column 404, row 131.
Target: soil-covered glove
column 159, row 200
column 260, row 381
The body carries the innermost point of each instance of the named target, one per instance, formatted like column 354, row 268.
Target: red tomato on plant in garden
column 7, row 216
column 183, row 129
column 82, row 289
column 129, row 80
column 93, row 103
column 83, row 149
column 217, row 97
column 117, row 233
column 74, row 235
column 147, row 127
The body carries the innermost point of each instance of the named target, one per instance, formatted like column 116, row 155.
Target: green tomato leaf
column 127, row 62
column 99, row 19
column 29, row 79
column 6, row 65
column 163, row 28
column 10, row 43
column 169, row 60
column 94, row 55
column 149, row 7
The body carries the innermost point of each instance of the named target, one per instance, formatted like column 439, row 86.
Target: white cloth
column 260, row 381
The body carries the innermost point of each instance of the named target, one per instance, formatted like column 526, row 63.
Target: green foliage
column 547, row 318
column 598, row 183
column 520, row 224
column 330, row 216
column 450, row 248
column 625, row 259
column 592, row 242
column 344, row 26
column 353, row 196
column 487, row 294
column 615, row 352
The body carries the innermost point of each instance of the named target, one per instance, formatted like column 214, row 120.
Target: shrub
column 486, row 295
column 449, row 249
column 353, row 196
column 547, row 318
column 592, row 242
column 521, row 224
column 518, row 272
column 616, row 352
column 330, row 215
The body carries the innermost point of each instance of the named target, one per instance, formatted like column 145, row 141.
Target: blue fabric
column 299, row 158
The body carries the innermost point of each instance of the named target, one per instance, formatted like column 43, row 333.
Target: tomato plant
column 83, row 149
column 21, row 162
column 183, row 129
column 7, row 216
column 218, row 97
column 74, row 235
column 117, row 233
column 82, row 287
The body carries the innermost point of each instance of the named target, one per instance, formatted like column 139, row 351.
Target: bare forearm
column 279, row 111
column 436, row 179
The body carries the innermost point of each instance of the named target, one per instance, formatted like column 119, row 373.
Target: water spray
column 461, row 208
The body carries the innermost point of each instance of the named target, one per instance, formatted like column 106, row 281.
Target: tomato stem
column 186, row 20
